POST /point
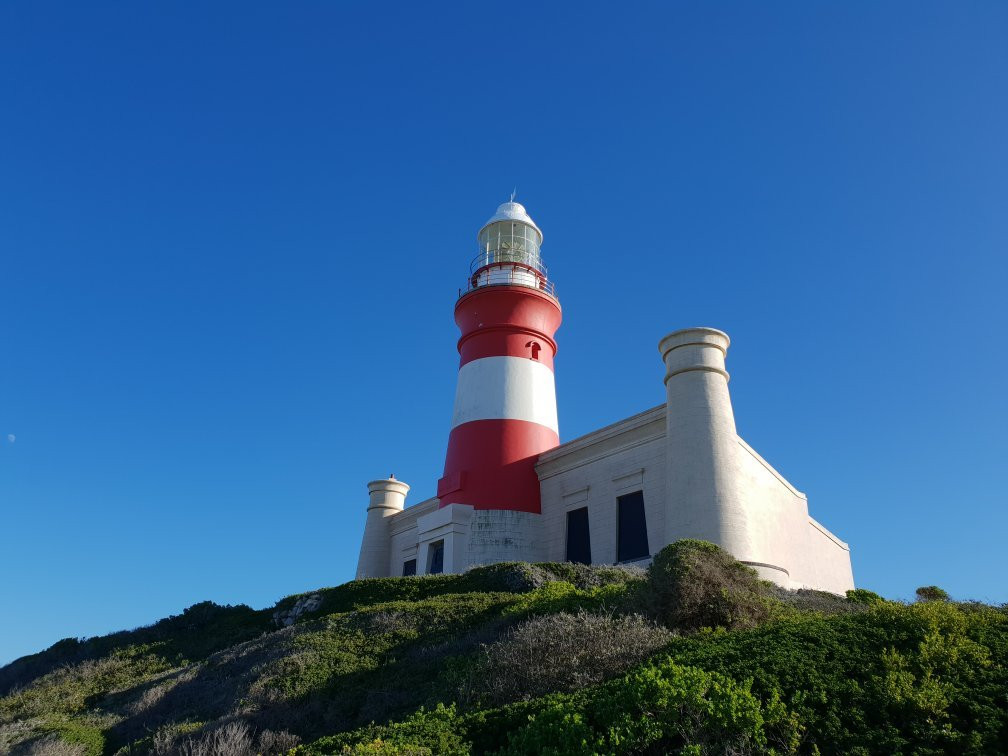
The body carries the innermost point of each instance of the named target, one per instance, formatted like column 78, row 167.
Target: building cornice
column 406, row 519
column 633, row 431
column 818, row 526
column 626, row 434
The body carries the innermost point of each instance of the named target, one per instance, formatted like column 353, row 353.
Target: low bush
column 505, row 577
column 437, row 732
column 381, row 748
column 229, row 738
column 587, row 577
column 696, row 584
column 931, row 593
column 660, row 708
column 51, row 745
column 197, row 632
column 67, row 691
column 921, row 678
column 88, row 738
column 863, row 596
column 807, row 600
column 561, row 652
column 275, row 743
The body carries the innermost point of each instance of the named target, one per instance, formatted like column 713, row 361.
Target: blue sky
column 231, row 237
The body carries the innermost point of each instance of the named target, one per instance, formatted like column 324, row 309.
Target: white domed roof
column 512, row 211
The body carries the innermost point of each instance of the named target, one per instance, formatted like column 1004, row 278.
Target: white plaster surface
column 505, row 388
column 502, row 535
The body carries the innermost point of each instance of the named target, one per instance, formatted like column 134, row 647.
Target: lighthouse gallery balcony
column 508, row 267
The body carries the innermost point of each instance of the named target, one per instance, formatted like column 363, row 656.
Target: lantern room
column 509, row 252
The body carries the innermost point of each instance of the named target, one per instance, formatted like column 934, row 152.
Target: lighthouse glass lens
column 510, row 242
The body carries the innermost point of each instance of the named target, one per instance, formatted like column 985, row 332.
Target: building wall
column 825, row 564
column 628, row 456
column 594, row 471
column 789, row 537
column 403, row 529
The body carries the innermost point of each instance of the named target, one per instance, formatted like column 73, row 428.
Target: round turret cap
column 512, row 211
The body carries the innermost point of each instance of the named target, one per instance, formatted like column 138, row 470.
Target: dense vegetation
column 694, row 656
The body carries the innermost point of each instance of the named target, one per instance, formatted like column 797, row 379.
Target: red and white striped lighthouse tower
column 505, row 412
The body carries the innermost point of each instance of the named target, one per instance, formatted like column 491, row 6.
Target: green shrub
column 863, row 596
column 555, row 731
column 379, row 747
column 70, row 690
column 197, row 632
column 504, row 577
column 587, row 577
column 435, row 731
column 931, row 593
column 89, row 738
column 50, row 745
column 804, row 600
column 696, row 584
column 350, row 654
column 661, row 708
column 893, row 679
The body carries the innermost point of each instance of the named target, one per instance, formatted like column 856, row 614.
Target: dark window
column 578, row 542
column 409, row 567
column 632, row 534
column 435, row 558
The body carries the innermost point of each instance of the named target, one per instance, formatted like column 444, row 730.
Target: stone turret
column 704, row 478
column 387, row 497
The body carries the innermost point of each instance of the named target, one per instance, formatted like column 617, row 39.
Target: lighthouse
column 511, row 492
column 505, row 412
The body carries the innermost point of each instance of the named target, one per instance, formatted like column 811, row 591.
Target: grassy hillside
column 694, row 656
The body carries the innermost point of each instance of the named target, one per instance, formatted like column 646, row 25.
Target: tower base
column 503, row 535
column 456, row 537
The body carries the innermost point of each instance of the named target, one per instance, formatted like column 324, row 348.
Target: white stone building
column 616, row 495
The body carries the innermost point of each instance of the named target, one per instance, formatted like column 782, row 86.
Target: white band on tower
column 505, row 388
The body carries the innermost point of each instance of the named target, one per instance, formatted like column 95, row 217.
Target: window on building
column 632, row 540
column 435, row 558
column 578, row 541
column 409, row 567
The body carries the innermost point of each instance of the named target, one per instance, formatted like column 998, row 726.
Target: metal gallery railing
column 525, row 258
column 509, row 274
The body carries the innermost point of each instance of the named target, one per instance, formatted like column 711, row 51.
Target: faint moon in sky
column 11, row 437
